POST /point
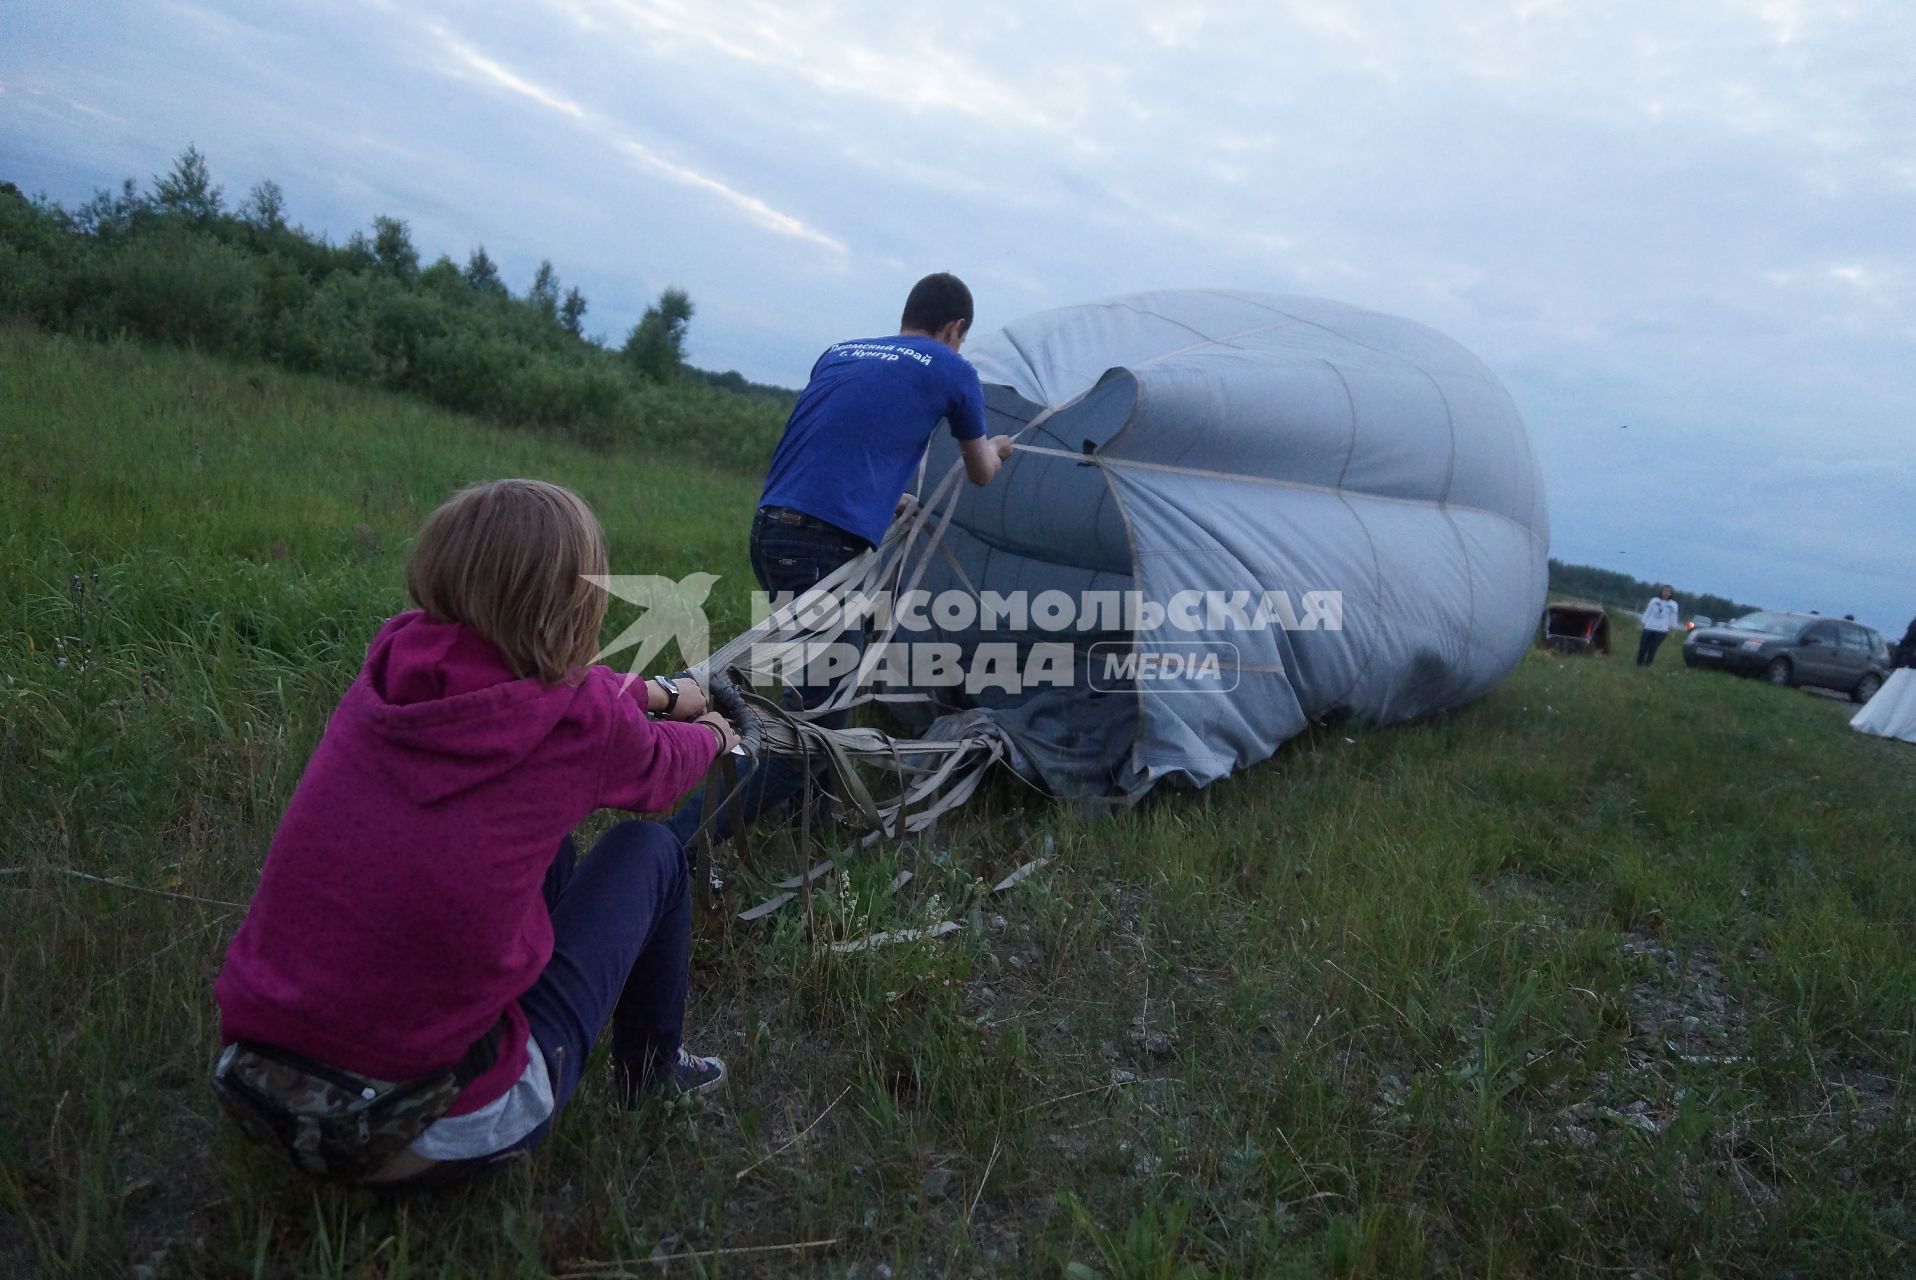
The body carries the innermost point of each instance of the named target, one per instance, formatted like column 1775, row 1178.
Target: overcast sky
column 1701, row 226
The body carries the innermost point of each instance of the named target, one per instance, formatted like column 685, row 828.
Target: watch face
column 667, row 683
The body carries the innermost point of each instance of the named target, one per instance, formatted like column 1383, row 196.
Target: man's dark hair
column 935, row 302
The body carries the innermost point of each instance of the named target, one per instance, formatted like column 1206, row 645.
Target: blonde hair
column 506, row 558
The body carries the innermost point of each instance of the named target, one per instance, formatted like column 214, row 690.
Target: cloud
column 472, row 59
column 612, row 137
column 752, row 206
column 95, row 112
column 899, row 61
column 209, row 20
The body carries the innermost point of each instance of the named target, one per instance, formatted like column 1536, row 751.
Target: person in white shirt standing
column 1658, row 617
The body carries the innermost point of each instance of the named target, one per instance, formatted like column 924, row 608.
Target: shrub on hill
column 176, row 266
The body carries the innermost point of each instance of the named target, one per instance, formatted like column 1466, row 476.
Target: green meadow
column 1611, row 973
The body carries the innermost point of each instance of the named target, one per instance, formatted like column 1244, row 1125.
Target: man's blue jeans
column 786, row 558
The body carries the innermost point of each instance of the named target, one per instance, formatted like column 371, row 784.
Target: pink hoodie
column 399, row 912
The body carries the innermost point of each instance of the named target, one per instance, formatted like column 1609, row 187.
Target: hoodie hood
column 454, row 713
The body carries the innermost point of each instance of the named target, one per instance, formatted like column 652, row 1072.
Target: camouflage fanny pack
column 332, row 1123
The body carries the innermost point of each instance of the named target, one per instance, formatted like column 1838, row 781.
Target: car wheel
column 1778, row 672
column 1866, row 688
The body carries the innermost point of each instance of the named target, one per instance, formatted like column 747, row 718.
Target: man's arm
column 983, row 456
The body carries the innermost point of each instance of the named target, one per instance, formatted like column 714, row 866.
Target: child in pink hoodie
column 422, row 906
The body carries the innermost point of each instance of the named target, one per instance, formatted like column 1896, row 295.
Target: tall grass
column 1609, row 972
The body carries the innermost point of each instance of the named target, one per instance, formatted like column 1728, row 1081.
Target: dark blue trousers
column 1648, row 645
column 792, row 559
column 622, row 947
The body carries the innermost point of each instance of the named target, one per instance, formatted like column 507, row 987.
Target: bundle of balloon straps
column 911, row 781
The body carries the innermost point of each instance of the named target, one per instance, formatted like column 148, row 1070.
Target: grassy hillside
column 175, row 265
column 1610, row 972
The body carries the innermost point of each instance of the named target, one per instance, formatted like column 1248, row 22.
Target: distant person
column 1906, row 647
column 425, row 947
column 1658, row 617
column 840, row 473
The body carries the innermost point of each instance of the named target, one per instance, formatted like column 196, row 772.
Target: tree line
column 1608, row 587
column 174, row 264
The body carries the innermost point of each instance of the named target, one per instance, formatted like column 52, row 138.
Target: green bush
column 38, row 263
column 171, row 267
column 180, row 288
column 328, row 335
column 555, row 391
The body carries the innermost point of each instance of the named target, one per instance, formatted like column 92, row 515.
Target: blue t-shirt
column 861, row 424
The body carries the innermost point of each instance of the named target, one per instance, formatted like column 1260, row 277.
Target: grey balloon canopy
column 1240, row 446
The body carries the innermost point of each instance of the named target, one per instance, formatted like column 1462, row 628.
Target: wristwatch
column 671, row 688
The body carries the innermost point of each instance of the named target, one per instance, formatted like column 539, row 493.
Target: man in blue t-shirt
column 863, row 420
column 853, row 442
column 841, row 470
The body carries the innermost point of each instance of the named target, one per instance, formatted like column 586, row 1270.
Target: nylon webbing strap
column 933, row 776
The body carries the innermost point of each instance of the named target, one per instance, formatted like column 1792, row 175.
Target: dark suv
column 1795, row 648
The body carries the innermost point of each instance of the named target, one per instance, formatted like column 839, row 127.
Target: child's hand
column 728, row 736
column 691, row 704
